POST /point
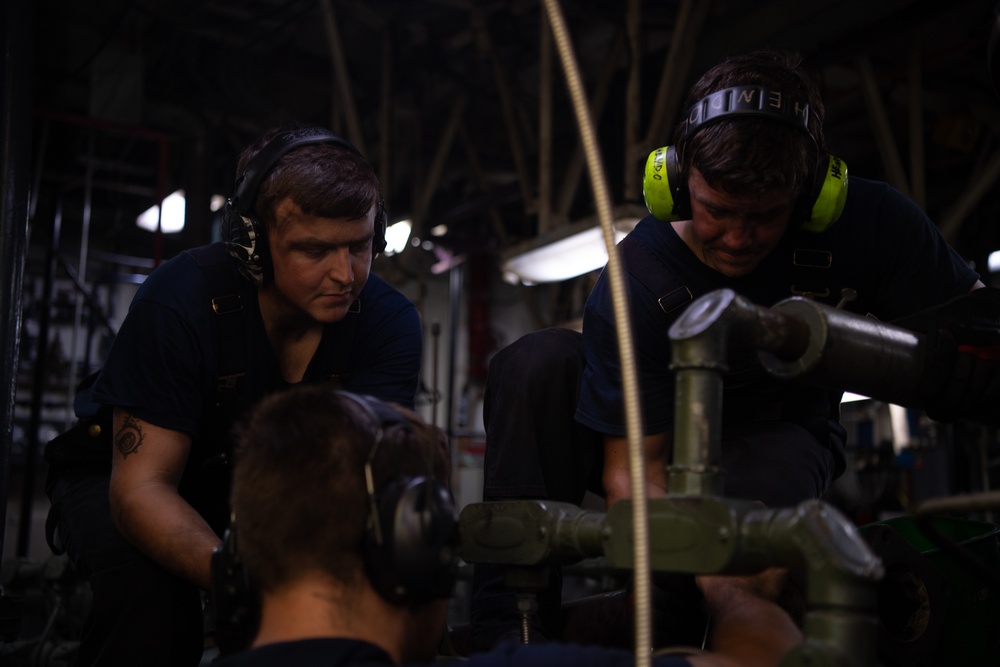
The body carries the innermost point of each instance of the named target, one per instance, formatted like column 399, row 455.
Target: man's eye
column 765, row 218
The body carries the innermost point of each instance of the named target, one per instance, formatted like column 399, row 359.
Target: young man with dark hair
column 140, row 488
column 747, row 199
column 311, row 464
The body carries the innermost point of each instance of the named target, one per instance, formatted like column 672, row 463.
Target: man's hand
column 720, row 588
column 147, row 464
column 748, row 628
column 616, row 475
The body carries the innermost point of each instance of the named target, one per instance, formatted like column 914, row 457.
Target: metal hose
column 630, row 383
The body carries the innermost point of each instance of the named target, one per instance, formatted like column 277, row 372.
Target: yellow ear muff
column 830, row 198
column 660, row 185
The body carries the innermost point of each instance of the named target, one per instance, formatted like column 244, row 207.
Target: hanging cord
column 630, row 385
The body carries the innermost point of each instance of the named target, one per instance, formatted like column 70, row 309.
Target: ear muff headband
column 666, row 194
column 244, row 233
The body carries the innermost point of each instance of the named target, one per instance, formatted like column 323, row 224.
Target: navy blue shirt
column 163, row 366
column 348, row 652
column 883, row 247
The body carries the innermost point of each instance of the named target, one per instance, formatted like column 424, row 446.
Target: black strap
column 339, row 367
column 810, row 274
column 224, row 284
column 640, row 261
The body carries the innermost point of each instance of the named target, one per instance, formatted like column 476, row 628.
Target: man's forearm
column 160, row 523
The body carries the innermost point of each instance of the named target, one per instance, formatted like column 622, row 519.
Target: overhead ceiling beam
column 686, row 36
column 884, row 139
column 978, row 187
column 598, row 100
column 510, row 120
column 477, row 172
column 430, row 183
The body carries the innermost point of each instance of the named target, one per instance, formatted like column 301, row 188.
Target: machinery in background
column 854, row 615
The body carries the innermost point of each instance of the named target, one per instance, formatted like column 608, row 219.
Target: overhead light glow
column 396, row 237
column 571, row 251
column 171, row 221
column 993, row 261
column 217, row 202
column 439, row 230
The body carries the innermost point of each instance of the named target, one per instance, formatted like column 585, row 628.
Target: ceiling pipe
column 680, row 56
column 545, row 217
column 385, row 116
column 633, row 98
column 916, row 102
column 507, row 106
column 341, row 78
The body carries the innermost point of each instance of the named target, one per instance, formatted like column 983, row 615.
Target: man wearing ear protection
column 140, row 488
column 747, row 198
column 345, row 527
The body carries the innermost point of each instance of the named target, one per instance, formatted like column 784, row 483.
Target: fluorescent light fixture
column 396, row 237
column 172, row 220
column 567, row 252
column 993, row 261
column 850, row 397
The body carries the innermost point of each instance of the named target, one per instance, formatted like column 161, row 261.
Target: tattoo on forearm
column 129, row 436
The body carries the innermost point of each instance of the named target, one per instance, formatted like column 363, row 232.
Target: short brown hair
column 299, row 493
column 326, row 179
column 749, row 154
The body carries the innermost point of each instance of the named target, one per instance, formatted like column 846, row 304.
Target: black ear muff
column 235, row 600
column 411, row 544
column 244, row 234
column 411, row 556
column 665, row 195
column 244, row 240
column 381, row 224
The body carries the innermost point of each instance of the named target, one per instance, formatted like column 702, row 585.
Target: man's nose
column 340, row 269
column 740, row 233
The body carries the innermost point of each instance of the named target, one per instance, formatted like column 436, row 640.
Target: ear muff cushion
column 245, row 241
column 381, row 224
column 661, row 185
column 417, row 560
column 830, row 196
